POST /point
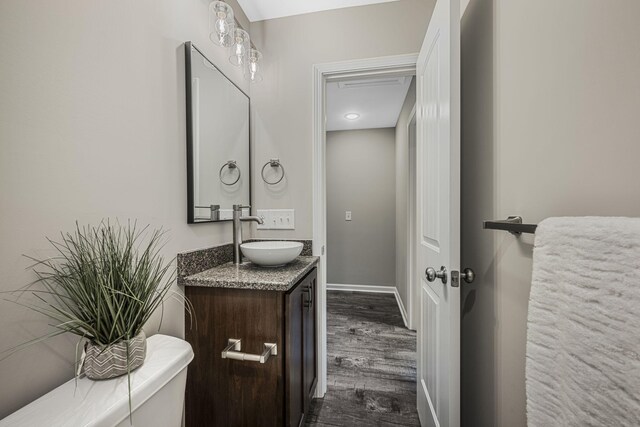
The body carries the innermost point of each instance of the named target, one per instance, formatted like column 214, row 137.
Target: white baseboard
column 375, row 289
column 361, row 288
column 403, row 311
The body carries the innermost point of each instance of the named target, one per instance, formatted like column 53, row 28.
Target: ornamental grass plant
column 103, row 283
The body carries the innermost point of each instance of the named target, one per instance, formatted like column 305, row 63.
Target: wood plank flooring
column 371, row 361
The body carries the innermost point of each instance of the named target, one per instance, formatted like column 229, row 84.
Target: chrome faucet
column 238, row 219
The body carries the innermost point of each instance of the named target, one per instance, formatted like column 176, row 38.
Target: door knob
column 468, row 275
column 432, row 274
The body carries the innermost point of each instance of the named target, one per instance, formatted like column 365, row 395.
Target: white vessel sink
column 271, row 253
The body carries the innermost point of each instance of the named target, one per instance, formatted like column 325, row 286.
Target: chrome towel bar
column 512, row 224
column 232, row 351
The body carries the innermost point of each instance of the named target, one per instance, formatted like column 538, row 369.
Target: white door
column 438, row 151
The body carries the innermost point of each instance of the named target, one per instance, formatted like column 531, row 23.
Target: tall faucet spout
column 257, row 219
column 238, row 219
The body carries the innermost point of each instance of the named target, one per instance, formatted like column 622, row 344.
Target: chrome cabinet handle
column 309, row 303
column 232, row 351
column 432, row 274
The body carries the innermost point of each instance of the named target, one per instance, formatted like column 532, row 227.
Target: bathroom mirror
column 218, row 158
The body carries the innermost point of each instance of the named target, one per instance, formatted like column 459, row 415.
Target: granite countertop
column 251, row 276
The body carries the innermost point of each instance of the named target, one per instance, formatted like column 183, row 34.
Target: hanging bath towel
column 583, row 331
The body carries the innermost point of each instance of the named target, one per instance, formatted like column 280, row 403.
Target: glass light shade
column 240, row 47
column 221, row 23
column 253, row 66
column 223, row 40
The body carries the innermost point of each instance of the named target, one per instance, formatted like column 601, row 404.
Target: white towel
column 583, row 332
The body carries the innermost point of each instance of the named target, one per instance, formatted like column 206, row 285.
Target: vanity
column 254, row 338
column 252, row 329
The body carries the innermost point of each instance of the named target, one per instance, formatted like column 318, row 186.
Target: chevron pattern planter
column 102, row 362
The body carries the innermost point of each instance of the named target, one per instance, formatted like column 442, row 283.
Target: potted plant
column 103, row 285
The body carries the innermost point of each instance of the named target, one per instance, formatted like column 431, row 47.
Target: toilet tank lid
column 106, row 403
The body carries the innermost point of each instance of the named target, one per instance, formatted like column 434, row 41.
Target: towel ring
column 231, row 164
column 274, row 163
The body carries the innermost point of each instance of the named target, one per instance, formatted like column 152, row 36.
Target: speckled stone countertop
column 250, row 276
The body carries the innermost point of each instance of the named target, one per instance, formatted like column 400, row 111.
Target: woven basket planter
column 102, row 363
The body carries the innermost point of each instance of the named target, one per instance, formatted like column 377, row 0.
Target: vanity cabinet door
column 294, row 396
column 228, row 392
column 309, row 339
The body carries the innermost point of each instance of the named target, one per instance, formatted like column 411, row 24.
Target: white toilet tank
column 157, row 394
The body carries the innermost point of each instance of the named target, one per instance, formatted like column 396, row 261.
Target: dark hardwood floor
column 371, row 364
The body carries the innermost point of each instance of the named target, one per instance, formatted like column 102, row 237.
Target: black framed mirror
column 218, row 141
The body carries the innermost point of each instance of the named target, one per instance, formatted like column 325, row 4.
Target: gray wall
column 92, row 125
column 361, row 179
column 550, row 128
column 402, row 194
column 282, row 105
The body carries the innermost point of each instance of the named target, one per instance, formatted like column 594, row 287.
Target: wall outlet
column 276, row 219
column 347, row 216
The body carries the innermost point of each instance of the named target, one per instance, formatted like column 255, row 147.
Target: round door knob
column 468, row 275
column 432, row 274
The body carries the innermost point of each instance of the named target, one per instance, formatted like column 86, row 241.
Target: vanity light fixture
column 221, row 23
column 351, row 116
column 240, row 47
column 225, row 31
column 253, row 68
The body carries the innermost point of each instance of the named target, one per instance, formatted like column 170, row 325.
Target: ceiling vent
column 358, row 84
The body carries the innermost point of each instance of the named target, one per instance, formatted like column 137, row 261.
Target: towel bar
column 512, row 224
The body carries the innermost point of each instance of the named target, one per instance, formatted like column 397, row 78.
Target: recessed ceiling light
column 351, row 116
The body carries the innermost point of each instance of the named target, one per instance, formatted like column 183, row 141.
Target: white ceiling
column 258, row 10
column 378, row 101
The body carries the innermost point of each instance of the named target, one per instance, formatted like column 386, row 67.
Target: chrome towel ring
column 274, row 163
column 231, row 164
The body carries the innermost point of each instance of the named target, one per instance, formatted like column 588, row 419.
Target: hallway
column 371, row 364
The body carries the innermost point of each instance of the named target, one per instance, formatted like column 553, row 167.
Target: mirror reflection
column 217, row 141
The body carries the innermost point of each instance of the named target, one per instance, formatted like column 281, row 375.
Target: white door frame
column 321, row 73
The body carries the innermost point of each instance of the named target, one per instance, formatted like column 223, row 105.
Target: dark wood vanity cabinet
column 310, row 339
column 300, row 321
column 228, row 392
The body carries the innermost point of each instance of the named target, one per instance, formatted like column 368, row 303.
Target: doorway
column 387, row 68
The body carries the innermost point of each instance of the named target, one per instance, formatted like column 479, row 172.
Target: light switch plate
column 276, row 219
column 285, row 219
column 347, row 216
